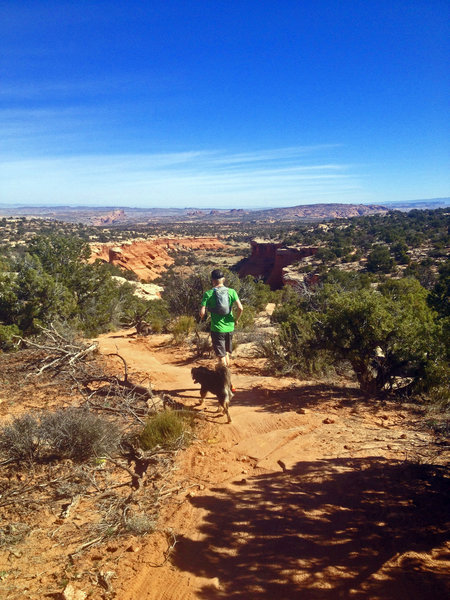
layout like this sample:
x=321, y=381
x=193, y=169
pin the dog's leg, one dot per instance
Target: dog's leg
x=226, y=405
x=221, y=398
x=203, y=393
x=227, y=412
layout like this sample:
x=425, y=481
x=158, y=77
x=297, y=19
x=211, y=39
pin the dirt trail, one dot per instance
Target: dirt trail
x=311, y=492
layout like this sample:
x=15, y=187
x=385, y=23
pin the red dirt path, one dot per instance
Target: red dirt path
x=312, y=492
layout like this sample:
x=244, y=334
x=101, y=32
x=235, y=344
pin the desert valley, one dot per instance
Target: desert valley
x=330, y=481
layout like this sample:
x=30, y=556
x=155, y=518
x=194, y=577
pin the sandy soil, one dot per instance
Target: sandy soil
x=312, y=492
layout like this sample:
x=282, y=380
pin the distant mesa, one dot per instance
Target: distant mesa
x=195, y=213
x=113, y=216
x=319, y=211
x=116, y=216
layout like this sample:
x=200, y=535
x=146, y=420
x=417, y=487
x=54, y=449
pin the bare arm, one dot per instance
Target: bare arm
x=238, y=310
x=202, y=312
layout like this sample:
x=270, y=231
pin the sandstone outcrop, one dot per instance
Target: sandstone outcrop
x=149, y=258
x=268, y=260
x=147, y=291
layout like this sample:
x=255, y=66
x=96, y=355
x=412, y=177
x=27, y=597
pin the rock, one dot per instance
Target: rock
x=104, y=579
x=303, y=411
x=70, y=593
x=97, y=557
x=133, y=548
x=328, y=421
x=148, y=258
x=215, y=583
x=268, y=259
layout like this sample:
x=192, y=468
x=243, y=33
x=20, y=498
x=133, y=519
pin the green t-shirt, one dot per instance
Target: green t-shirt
x=220, y=323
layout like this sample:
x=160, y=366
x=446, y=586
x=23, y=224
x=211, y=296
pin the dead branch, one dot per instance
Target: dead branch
x=125, y=366
x=138, y=389
x=58, y=353
x=135, y=477
x=86, y=545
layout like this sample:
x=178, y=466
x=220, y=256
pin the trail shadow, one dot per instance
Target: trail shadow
x=324, y=530
x=296, y=397
x=185, y=361
x=207, y=410
x=183, y=393
x=124, y=336
x=292, y=398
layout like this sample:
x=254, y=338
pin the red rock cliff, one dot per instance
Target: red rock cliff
x=268, y=259
x=260, y=262
x=148, y=259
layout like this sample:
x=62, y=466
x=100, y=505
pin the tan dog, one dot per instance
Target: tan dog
x=216, y=382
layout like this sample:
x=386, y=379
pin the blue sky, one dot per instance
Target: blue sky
x=210, y=103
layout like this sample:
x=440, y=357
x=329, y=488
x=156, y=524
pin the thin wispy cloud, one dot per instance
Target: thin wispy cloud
x=198, y=178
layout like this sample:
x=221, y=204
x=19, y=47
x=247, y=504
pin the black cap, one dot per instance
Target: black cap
x=217, y=274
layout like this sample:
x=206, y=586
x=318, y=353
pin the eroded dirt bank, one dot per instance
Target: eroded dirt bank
x=312, y=492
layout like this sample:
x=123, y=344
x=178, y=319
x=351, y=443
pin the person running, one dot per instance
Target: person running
x=218, y=302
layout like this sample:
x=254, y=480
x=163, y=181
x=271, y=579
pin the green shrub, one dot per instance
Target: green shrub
x=51, y=280
x=156, y=324
x=434, y=386
x=294, y=349
x=165, y=429
x=380, y=260
x=247, y=319
x=182, y=327
x=7, y=333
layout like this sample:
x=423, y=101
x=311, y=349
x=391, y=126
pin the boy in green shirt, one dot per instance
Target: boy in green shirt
x=222, y=325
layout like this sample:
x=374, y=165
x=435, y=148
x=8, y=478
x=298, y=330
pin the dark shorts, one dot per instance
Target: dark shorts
x=222, y=343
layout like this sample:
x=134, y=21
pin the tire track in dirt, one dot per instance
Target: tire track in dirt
x=306, y=494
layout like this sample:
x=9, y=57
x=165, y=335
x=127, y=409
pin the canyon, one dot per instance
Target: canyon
x=148, y=259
